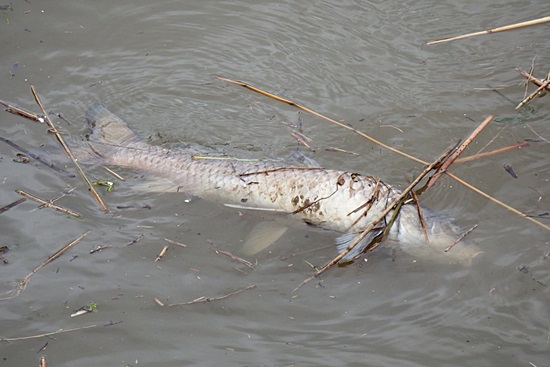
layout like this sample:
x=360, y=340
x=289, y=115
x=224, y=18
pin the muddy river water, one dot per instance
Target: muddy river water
x=365, y=63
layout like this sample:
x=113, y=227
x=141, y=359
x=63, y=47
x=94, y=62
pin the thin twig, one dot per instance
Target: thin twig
x=23, y=282
x=301, y=140
x=60, y=331
x=69, y=153
x=204, y=299
x=461, y=238
x=233, y=257
x=48, y=204
x=11, y=205
x=494, y=30
x=375, y=222
x=453, y=176
x=333, y=149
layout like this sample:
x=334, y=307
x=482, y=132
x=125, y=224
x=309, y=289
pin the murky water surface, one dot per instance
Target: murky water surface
x=365, y=63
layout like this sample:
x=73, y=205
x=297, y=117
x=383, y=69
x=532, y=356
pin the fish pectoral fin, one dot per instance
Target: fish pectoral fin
x=343, y=241
x=244, y=207
x=262, y=236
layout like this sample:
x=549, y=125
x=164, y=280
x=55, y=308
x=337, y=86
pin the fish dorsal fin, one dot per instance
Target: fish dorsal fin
x=107, y=127
x=262, y=236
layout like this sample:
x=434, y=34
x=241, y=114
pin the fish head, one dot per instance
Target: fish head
x=442, y=236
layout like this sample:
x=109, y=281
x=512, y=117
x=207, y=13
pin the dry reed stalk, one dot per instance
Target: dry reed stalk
x=22, y=284
x=494, y=30
x=530, y=97
x=162, y=253
x=204, y=299
x=69, y=153
x=531, y=78
x=303, y=108
x=175, y=243
x=20, y=111
x=519, y=144
x=453, y=176
x=48, y=204
x=457, y=152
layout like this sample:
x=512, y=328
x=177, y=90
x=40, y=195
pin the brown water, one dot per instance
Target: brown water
x=365, y=63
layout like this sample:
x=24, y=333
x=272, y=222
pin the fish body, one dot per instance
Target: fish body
x=342, y=201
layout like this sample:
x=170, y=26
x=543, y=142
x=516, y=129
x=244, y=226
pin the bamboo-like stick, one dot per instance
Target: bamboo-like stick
x=494, y=30
x=20, y=111
x=453, y=176
x=69, y=153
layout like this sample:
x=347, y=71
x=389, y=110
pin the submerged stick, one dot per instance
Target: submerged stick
x=36, y=157
x=494, y=30
x=453, y=176
x=204, y=299
x=375, y=222
x=48, y=204
x=22, y=284
x=69, y=153
x=11, y=205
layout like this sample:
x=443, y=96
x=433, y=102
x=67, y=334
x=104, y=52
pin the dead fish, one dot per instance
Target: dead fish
x=342, y=201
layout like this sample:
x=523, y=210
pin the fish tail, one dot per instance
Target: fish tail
x=106, y=127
